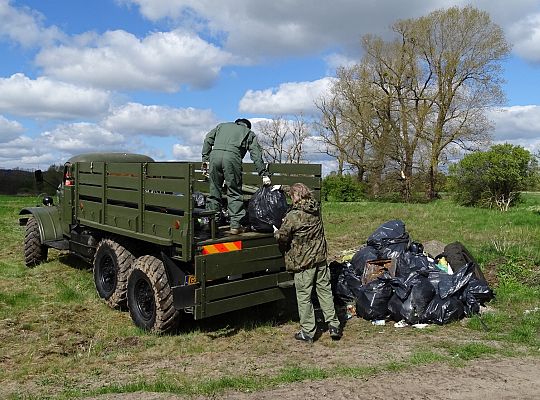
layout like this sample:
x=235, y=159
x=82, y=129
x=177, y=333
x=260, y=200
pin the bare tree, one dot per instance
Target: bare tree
x=283, y=140
x=332, y=130
x=298, y=132
x=272, y=137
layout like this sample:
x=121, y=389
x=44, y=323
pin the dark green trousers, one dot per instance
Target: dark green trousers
x=318, y=277
x=226, y=167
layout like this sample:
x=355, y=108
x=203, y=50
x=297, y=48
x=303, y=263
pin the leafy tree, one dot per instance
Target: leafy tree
x=462, y=49
x=492, y=178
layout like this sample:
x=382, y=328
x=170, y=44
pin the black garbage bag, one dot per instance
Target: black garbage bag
x=372, y=298
x=353, y=282
x=410, y=262
x=475, y=294
x=436, y=276
x=390, y=239
x=411, y=297
x=471, y=306
x=480, y=290
x=266, y=208
x=458, y=257
x=361, y=257
x=341, y=276
x=442, y=311
x=457, y=283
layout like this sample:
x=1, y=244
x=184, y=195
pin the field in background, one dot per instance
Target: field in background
x=57, y=339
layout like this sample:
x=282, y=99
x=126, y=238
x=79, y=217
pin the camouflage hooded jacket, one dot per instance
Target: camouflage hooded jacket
x=301, y=236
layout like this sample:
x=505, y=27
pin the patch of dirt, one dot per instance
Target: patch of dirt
x=495, y=379
x=490, y=271
x=511, y=378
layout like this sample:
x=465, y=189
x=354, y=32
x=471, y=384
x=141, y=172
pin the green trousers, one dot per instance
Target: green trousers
x=318, y=277
x=226, y=166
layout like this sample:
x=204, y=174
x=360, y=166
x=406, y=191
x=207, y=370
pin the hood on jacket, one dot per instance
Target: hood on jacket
x=310, y=206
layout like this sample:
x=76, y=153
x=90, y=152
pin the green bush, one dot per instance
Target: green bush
x=492, y=178
x=342, y=188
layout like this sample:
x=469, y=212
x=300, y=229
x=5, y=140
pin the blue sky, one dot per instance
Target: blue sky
x=153, y=76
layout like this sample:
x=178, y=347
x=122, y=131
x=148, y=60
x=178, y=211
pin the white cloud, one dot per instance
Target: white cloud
x=516, y=122
x=281, y=27
x=335, y=60
x=132, y=118
x=25, y=26
x=9, y=130
x=161, y=61
x=21, y=146
x=518, y=125
x=289, y=98
x=187, y=153
x=81, y=138
x=45, y=98
x=525, y=33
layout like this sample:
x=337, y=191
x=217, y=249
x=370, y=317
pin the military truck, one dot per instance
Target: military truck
x=155, y=250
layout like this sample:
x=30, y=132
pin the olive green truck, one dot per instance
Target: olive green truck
x=153, y=248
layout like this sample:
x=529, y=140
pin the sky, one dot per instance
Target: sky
x=154, y=76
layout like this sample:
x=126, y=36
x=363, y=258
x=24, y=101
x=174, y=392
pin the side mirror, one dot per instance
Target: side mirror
x=38, y=176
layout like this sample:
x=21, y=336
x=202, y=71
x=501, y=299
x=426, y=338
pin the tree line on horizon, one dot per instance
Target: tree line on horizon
x=19, y=181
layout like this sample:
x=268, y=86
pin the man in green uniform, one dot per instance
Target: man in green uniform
x=223, y=150
x=301, y=236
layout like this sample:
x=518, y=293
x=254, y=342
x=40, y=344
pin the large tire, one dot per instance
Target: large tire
x=34, y=252
x=112, y=265
x=150, y=298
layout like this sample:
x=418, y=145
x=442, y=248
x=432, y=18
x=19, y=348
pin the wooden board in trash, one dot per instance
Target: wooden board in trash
x=376, y=268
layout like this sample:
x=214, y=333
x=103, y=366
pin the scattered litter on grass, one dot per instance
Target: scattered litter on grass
x=401, y=324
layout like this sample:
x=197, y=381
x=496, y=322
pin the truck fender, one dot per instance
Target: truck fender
x=48, y=219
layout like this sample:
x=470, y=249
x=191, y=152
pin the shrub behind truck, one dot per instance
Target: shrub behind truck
x=135, y=220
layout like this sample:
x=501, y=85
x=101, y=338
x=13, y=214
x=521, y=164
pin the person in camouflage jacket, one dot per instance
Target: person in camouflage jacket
x=301, y=238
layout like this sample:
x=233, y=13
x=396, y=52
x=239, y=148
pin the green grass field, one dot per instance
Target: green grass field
x=58, y=340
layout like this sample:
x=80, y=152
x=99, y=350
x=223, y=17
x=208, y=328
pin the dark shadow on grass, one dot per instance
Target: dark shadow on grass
x=229, y=324
x=74, y=261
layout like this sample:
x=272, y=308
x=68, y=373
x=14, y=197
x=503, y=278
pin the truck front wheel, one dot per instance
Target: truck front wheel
x=150, y=298
x=112, y=264
x=34, y=252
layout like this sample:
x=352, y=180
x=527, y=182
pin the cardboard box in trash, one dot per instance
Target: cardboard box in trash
x=376, y=268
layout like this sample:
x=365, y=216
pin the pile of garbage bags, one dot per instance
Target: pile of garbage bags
x=410, y=285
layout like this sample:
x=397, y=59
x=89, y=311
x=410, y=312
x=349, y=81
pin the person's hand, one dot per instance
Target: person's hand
x=275, y=187
x=204, y=169
x=275, y=229
x=266, y=180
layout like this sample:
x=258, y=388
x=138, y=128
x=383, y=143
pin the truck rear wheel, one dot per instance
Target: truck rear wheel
x=34, y=252
x=112, y=264
x=150, y=298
